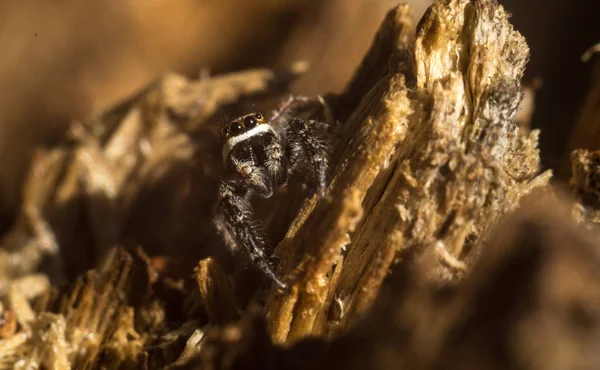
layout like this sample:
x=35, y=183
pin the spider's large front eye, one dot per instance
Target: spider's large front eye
x=236, y=128
x=250, y=122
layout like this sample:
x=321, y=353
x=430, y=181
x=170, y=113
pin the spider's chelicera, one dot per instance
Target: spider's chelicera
x=260, y=154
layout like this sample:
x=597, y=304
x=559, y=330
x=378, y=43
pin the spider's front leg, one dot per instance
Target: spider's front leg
x=234, y=220
x=295, y=104
x=307, y=144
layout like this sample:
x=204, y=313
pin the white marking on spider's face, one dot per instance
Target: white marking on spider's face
x=234, y=140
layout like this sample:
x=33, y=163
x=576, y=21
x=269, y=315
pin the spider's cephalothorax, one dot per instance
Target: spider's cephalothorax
x=261, y=154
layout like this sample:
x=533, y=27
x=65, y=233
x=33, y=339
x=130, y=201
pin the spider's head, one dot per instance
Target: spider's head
x=245, y=130
x=243, y=124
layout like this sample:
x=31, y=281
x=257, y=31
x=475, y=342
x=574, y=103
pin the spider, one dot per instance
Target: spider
x=261, y=154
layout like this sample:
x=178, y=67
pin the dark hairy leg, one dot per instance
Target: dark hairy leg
x=308, y=138
x=298, y=103
x=235, y=222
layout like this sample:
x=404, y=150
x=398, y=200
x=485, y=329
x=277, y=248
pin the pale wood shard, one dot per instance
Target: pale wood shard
x=74, y=336
x=373, y=132
x=377, y=134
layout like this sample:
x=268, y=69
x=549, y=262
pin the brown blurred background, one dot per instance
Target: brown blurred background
x=63, y=60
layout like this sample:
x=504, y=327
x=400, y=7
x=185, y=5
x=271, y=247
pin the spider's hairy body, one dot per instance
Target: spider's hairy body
x=260, y=155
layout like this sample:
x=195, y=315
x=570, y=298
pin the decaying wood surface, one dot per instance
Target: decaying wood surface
x=445, y=152
x=440, y=244
x=525, y=305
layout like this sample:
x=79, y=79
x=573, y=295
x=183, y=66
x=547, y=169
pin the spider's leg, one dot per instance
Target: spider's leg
x=308, y=143
x=235, y=222
x=275, y=162
x=296, y=104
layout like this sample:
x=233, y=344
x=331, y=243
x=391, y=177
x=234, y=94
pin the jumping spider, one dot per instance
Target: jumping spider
x=260, y=154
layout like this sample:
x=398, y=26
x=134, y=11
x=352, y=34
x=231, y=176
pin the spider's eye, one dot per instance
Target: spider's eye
x=236, y=128
x=258, y=116
x=225, y=130
x=250, y=122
